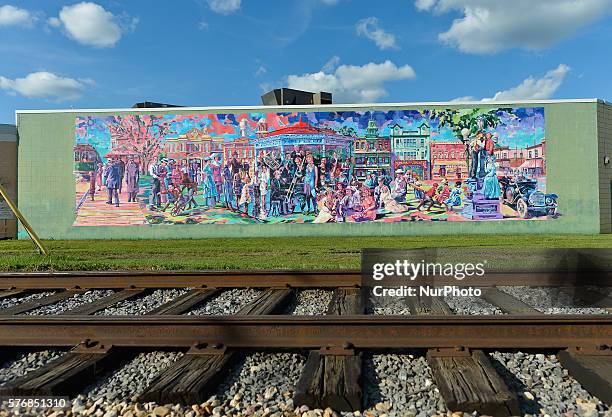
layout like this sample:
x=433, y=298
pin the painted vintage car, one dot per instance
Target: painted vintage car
x=522, y=195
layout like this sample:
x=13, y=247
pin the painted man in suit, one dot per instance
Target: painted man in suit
x=113, y=182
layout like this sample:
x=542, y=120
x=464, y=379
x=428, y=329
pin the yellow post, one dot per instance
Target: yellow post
x=24, y=222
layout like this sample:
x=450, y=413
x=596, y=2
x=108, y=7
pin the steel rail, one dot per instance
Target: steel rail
x=263, y=278
x=484, y=332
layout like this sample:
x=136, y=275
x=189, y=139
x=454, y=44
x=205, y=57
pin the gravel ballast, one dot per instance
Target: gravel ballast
x=15, y=301
x=132, y=378
x=544, y=387
x=310, y=303
x=389, y=307
x=69, y=303
x=226, y=303
x=471, y=305
x=400, y=385
x=27, y=362
x=262, y=381
x=141, y=305
x=550, y=300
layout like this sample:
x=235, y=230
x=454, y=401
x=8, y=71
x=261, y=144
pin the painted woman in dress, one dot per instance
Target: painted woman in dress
x=387, y=200
x=328, y=208
x=310, y=180
x=490, y=188
x=208, y=184
x=264, y=181
x=366, y=211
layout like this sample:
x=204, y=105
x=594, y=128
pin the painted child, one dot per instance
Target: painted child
x=454, y=198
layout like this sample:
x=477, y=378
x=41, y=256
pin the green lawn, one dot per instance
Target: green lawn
x=272, y=253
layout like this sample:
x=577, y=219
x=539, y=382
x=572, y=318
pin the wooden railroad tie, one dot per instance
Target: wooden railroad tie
x=467, y=380
x=13, y=293
x=196, y=375
x=190, y=380
x=470, y=383
x=67, y=375
x=601, y=299
x=184, y=303
x=508, y=303
x=420, y=306
x=41, y=302
x=330, y=381
x=332, y=377
x=103, y=302
x=593, y=372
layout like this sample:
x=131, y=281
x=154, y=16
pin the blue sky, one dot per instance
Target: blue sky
x=62, y=54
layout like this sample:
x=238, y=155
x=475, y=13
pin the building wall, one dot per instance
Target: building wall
x=8, y=177
x=604, y=127
x=47, y=184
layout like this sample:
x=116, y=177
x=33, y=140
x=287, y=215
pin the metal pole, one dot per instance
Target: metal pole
x=41, y=248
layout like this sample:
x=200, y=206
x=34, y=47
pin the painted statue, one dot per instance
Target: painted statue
x=490, y=188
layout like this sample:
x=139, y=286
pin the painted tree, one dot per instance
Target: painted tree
x=462, y=121
x=459, y=119
x=143, y=133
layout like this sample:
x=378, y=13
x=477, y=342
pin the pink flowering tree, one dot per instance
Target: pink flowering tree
x=143, y=133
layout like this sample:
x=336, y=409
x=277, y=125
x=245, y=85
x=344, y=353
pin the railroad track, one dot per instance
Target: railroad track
x=213, y=321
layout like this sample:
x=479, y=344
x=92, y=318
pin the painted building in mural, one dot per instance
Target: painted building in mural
x=411, y=149
x=191, y=147
x=373, y=156
x=448, y=160
x=530, y=160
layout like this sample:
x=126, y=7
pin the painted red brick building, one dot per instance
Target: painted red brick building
x=448, y=160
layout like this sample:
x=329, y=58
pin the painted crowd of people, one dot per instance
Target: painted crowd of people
x=325, y=187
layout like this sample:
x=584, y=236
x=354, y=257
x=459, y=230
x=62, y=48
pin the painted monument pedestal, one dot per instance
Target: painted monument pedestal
x=480, y=208
x=476, y=206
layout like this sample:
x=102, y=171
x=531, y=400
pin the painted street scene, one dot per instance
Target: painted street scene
x=316, y=167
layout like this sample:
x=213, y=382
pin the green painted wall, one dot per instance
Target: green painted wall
x=47, y=194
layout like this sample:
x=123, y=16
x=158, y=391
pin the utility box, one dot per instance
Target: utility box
x=8, y=179
x=291, y=97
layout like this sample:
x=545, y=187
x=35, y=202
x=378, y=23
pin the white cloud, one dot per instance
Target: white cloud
x=530, y=88
x=353, y=83
x=261, y=70
x=331, y=64
x=369, y=28
x=489, y=26
x=424, y=4
x=330, y=2
x=202, y=25
x=90, y=24
x=46, y=85
x=224, y=6
x=534, y=88
x=14, y=16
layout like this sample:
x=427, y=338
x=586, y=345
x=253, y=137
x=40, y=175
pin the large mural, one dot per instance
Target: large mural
x=312, y=167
